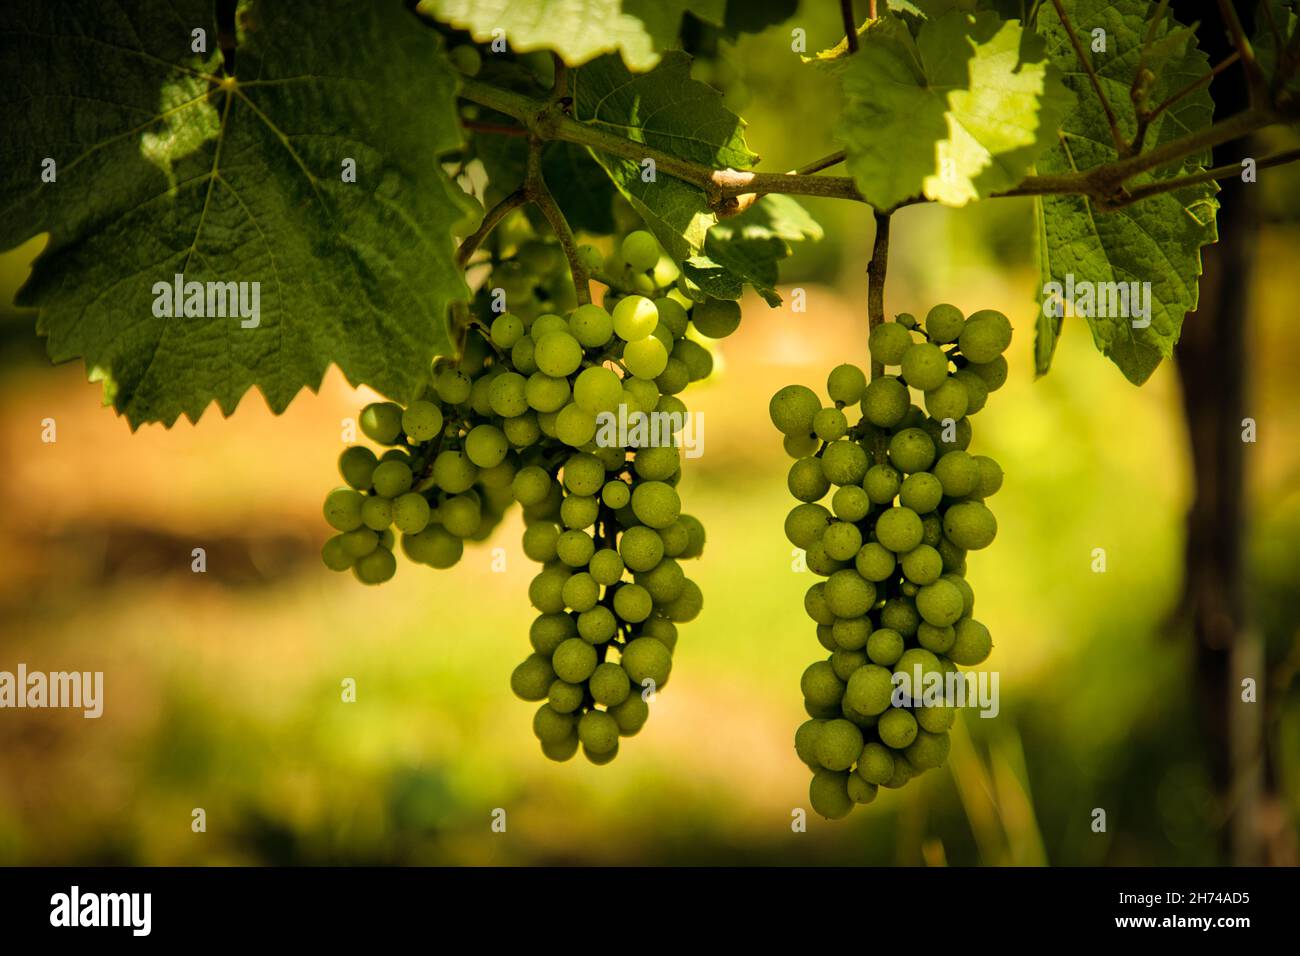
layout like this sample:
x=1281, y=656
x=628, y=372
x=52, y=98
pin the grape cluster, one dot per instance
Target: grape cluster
x=908, y=503
x=522, y=417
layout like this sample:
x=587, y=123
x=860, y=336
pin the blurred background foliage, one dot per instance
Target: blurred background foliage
x=223, y=690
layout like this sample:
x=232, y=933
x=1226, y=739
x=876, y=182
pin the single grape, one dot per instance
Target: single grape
x=647, y=659
x=376, y=567
x=888, y=342
x=635, y=318
x=376, y=513
x=646, y=357
x=846, y=384
x=885, y=402
x=382, y=422
x=640, y=250
x=343, y=509
x=716, y=318
x=838, y=744
x=924, y=366
x=944, y=323
x=357, y=466
x=829, y=794
x=793, y=408
x=970, y=525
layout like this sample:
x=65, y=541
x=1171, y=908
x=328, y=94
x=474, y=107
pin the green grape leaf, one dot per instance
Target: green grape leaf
x=746, y=249
x=584, y=193
x=1275, y=25
x=755, y=16
x=668, y=111
x=954, y=115
x=577, y=30
x=163, y=170
x=1154, y=243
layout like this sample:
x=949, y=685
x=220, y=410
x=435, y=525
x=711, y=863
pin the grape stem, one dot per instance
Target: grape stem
x=469, y=245
x=536, y=192
x=876, y=282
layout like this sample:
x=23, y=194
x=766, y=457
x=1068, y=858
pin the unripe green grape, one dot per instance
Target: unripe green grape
x=845, y=384
x=838, y=744
x=391, y=479
x=343, y=509
x=994, y=374
x=579, y=511
x=819, y=562
x=646, y=357
x=821, y=711
x=805, y=524
x=600, y=759
x=546, y=324
x=844, y=662
x=943, y=323
x=814, y=603
x=807, y=481
x=949, y=400
x=954, y=558
x=928, y=750
x=540, y=541
x=434, y=546
x=850, y=503
x=900, y=614
x=645, y=391
x=376, y=513
x=647, y=659
x=522, y=430
x=970, y=525
x=552, y=726
x=574, y=660
x=805, y=742
x=591, y=325
x=382, y=422
x=911, y=450
x=606, y=567
x=507, y=394
x=565, y=698
x=874, y=562
x=583, y=474
x=630, y=715
x=335, y=554
x=640, y=250
x=506, y=330
x=845, y=462
x=935, y=719
x=888, y=342
x=466, y=59
x=574, y=426
x=672, y=315
x=925, y=366
x=897, y=728
x=357, y=466
x=669, y=404
x=546, y=423
x=829, y=794
x=882, y=483
x=640, y=548
x=936, y=640
x=531, y=680
x=662, y=630
x=687, y=605
x=453, y=386
x=486, y=446
x=635, y=318
x=903, y=772
x=792, y=409
x=860, y=791
x=673, y=379
x=531, y=484
x=545, y=590
x=546, y=394
x=958, y=472
x=697, y=359
x=977, y=393
x=549, y=631
x=597, y=389
x=916, y=659
x=908, y=589
x=967, y=593
x=827, y=640
x=973, y=643
x=885, y=647
x=666, y=581
x=851, y=633
x=580, y=592
x=922, y=565
x=990, y=476
x=848, y=594
x=523, y=356
x=899, y=529
x=609, y=684
x=677, y=539
x=591, y=258
x=376, y=567
x=885, y=402
x=657, y=463
x=597, y=625
x=868, y=690
x=697, y=536
x=985, y=337
x=558, y=354
x=461, y=515
x=820, y=685
x=931, y=529
x=800, y=446
x=632, y=603
x=716, y=318
x=453, y=472
x=422, y=421
x=575, y=548
x=920, y=491
x=598, y=732
x=842, y=540
x=875, y=764
x=830, y=424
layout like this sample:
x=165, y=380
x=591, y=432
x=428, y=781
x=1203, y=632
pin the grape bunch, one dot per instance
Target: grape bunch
x=530, y=414
x=907, y=502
